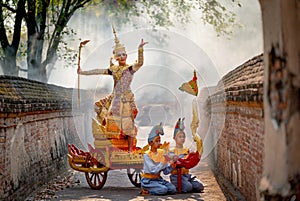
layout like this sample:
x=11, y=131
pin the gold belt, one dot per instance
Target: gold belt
x=183, y=171
x=150, y=176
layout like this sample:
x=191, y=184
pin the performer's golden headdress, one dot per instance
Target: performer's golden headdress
x=118, y=46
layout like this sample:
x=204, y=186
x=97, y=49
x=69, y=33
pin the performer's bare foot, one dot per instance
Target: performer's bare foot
x=144, y=192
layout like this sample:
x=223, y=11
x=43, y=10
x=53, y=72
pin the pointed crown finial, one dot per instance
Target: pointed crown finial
x=118, y=46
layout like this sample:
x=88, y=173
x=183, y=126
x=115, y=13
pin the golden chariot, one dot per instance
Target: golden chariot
x=110, y=151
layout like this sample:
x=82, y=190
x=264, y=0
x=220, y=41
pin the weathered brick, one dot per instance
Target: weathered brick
x=241, y=139
x=32, y=113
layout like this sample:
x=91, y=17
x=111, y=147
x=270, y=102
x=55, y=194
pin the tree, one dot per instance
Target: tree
x=164, y=13
x=9, y=50
x=46, y=22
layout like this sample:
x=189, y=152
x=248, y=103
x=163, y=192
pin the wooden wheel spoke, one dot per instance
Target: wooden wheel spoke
x=92, y=176
x=134, y=176
x=96, y=180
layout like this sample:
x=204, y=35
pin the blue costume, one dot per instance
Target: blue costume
x=188, y=183
x=154, y=163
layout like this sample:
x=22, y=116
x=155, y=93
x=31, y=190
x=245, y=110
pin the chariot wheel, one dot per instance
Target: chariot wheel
x=135, y=176
x=96, y=180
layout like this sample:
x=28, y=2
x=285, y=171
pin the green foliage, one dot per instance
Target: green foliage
x=65, y=52
x=164, y=13
x=47, y=20
x=216, y=15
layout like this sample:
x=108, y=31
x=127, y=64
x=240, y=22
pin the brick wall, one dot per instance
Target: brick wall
x=238, y=154
x=36, y=123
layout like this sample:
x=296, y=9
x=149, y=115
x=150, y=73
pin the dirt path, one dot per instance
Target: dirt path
x=73, y=186
x=118, y=187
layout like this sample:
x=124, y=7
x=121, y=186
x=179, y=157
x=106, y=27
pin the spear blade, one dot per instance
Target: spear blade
x=83, y=43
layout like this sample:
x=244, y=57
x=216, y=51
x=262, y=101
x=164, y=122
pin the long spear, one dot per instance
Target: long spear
x=80, y=46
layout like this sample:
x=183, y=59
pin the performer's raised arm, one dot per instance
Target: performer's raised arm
x=94, y=72
x=140, y=61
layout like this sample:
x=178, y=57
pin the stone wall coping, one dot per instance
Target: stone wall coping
x=20, y=95
x=244, y=83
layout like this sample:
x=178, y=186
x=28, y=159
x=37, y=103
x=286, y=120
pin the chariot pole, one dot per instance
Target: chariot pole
x=79, y=52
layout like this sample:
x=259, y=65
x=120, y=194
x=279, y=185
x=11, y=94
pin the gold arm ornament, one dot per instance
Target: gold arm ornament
x=194, y=125
x=165, y=146
x=79, y=53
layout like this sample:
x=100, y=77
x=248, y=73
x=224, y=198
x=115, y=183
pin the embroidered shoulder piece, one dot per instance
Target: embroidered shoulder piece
x=118, y=70
x=180, y=151
x=158, y=156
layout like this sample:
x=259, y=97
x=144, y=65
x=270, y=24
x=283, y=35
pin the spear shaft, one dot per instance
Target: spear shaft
x=79, y=76
x=79, y=53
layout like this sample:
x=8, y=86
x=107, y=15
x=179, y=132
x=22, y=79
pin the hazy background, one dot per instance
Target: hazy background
x=225, y=54
x=169, y=60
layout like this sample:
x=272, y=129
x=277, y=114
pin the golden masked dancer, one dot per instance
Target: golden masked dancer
x=119, y=106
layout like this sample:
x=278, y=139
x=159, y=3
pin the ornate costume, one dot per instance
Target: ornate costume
x=154, y=164
x=117, y=111
x=122, y=108
x=188, y=183
x=122, y=103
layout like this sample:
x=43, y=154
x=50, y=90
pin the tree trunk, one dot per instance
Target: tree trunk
x=50, y=66
x=36, y=70
x=32, y=63
x=10, y=63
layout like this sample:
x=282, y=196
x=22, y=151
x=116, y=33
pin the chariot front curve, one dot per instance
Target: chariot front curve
x=110, y=151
